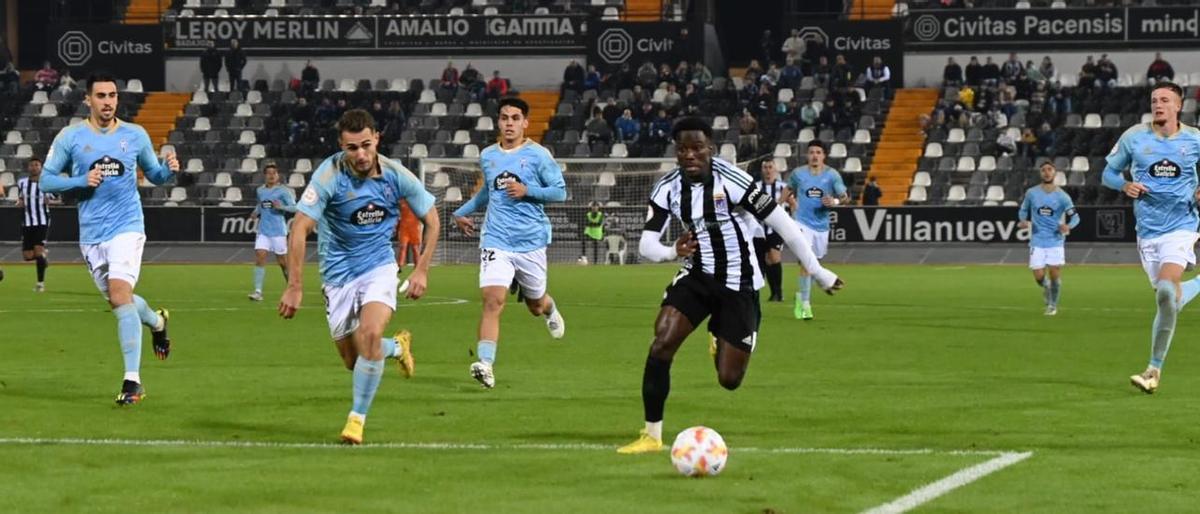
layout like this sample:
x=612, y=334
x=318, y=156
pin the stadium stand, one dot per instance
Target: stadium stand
x=452, y=7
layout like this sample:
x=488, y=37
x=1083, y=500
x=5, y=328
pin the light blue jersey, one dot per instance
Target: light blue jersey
x=1167, y=167
x=516, y=225
x=809, y=190
x=271, y=221
x=113, y=207
x=1046, y=211
x=356, y=217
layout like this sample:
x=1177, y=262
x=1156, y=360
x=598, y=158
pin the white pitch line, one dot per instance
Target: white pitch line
x=927, y=493
x=417, y=303
x=70, y=441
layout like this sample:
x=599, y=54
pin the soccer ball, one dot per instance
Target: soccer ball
x=699, y=451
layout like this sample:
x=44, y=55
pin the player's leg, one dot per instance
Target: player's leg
x=1164, y=259
x=803, y=308
x=496, y=272
x=530, y=271
x=376, y=293
x=774, y=270
x=1054, y=276
x=39, y=256
x=262, y=245
x=281, y=260
x=1037, y=265
x=735, y=324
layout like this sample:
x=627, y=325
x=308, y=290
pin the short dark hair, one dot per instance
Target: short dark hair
x=687, y=123
x=356, y=120
x=1046, y=162
x=513, y=101
x=38, y=159
x=99, y=76
x=818, y=143
x=1166, y=84
x=269, y=165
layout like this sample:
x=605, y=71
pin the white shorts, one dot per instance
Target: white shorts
x=498, y=267
x=815, y=239
x=1039, y=258
x=275, y=245
x=344, y=303
x=1177, y=247
x=119, y=258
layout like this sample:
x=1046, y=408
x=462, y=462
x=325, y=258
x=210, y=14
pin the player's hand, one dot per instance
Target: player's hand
x=1134, y=189
x=417, y=284
x=276, y=204
x=290, y=302
x=1024, y=224
x=172, y=162
x=686, y=245
x=465, y=225
x=516, y=190
x=1064, y=229
x=94, y=176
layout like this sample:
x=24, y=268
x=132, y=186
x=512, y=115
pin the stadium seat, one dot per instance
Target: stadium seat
x=427, y=97
x=783, y=150
x=223, y=179
x=13, y=138
x=438, y=109
x=7, y=179
x=607, y=178
x=1146, y=118
x=24, y=151
x=785, y=95
x=658, y=96
x=178, y=194
x=345, y=86
x=933, y=150
x=440, y=179
x=249, y=166
x=254, y=97
x=243, y=111
x=232, y=195
x=398, y=85
x=956, y=136
x=837, y=151
x=806, y=135
x=484, y=124
x=994, y=194
x=296, y=180
x=618, y=151
x=474, y=110
x=1080, y=163
x=200, y=98
x=966, y=164
x=48, y=111
x=957, y=193
x=780, y=164
x=922, y=178
x=39, y=98
x=1112, y=120
x=916, y=194
x=862, y=137
x=202, y=125
x=987, y=164
x=247, y=137
x=134, y=86
x=302, y=166
x=453, y=194
x=852, y=165
x=418, y=151
x=257, y=151
x=195, y=166
x=611, y=14
x=720, y=123
x=470, y=151
x=728, y=152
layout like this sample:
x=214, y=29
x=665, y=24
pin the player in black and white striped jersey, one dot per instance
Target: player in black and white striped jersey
x=769, y=243
x=720, y=208
x=35, y=219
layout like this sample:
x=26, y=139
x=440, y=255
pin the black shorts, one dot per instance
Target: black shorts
x=734, y=314
x=775, y=241
x=33, y=236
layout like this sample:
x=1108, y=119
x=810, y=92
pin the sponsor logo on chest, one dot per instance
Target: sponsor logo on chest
x=504, y=179
x=814, y=192
x=109, y=167
x=1165, y=169
x=1046, y=210
x=368, y=215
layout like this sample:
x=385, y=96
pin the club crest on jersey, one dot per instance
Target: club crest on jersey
x=719, y=199
x=389, y=194
x=368, y=215
x=109, y=167
x=1165, y=169
x=504, y=179
x=124, y=146
x=1046, y=210
x=814, y=192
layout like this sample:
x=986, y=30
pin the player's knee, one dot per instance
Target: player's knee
x=664, y=347
x=730, y=380
x=493, y=304
x=1164, y=292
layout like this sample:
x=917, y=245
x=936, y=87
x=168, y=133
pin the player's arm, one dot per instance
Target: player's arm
x=1023, y=212
x=288, y=203
x=297, y=246
x=1070, y=213
x=555, y=188
x=257, y=207
x=840, y=195
x=157, y=172
x=421, y=203
x=651, y=248
x=57, y=161
x=763, y=207
x=476, y=203
x=1118, y=159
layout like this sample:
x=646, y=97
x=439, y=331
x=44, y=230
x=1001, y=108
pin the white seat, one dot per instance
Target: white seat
x=1194, y=78
x=244, y=111
x=607, y=178
x=780, y=163
x=933, y=150
x=178, y=194
x=987, y=163
x=302, y=166
x=247, y=137
x=470, y=151
x=48, y=111
x=254, y=97
x=453, y=194
x=966, y=164
x=39, y=98
x=616, y=247
x=806, y=135
x=427, y=97
x=202, y=125
x=461, y=137
x=916, y=194
x=200, y=98
x=232, y=195
x=720, y=123
x=257, y=152
x=484, y=123
x=784, y=95
x=1023, y=4
x=134, y=86
x=346, y=86
x=1080, y=163
x=852, y=165
x=611, y=14
x=7, y=179
x=658, y=96
x=398, y=85
x=24, y=151
x=249, y=166
x=956, y=135
x=474, y=110
x=861, y=136
x=1010, y=203
x=994, y=194
x=619, y=151
x=223, y=179
x=1189, y=105
x=922, y=178
x=195, y=166
x=440, y=179
x=296, y=180
x=1092, y=120
x=1147, y=117
x=1013, y=132
x=457, y=11
x=438, y=109
x=728, y=152
x=1060, y=178
x=783, y=150
x=418, y=150
x=13, y=137
x=837, y=151
x=957, y=194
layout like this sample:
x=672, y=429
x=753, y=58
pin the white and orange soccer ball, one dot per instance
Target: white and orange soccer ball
x=699, y=451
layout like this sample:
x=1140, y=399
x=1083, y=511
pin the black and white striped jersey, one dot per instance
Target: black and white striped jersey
x=721, y=211
x=776, y=190
x=36, y=203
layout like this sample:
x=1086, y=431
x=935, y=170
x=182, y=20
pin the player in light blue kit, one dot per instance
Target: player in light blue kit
x=1044, y=211
x=354, y=202
x=1161, y=156
x=815, y=188
x=519, y=177
x=101, y=156
x=274, y=200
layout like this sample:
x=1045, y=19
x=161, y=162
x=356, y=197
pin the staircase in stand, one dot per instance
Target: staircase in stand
x=159, y=112
x=901, y=143
x=542, y=105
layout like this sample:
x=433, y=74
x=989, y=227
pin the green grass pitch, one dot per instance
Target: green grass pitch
x=940, y=358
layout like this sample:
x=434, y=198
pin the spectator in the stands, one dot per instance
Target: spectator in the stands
x=809, y=114
x=1087, y=73
x=624, y=78
x=691, y=98
x=1034, y=73
x=647, y=75
x=326, y=114
x=67, y=83
x=754, y=67
x=665, y=74
x=1046, y=138
x=639, y=95
x=822, y=72
x=764, y=102
x=235, y=62
x=683, y=73
x=1047, y=68
x=378, y=113
x=1106, y=72
x=871, y=192
x=879, y=75
x=771, y=76
x=748, y=92
x=748, y=131
x=498, y=86
x=793, y=47
x=672, y=100
x=646, y=114
x=952, y=74
x=790, y=75
x=702, y=76
x=1058, y=101
x=1012, y=68
x=1159, y=70
x=300, y=117
x=472, y=81
x=597, y=129
x=990, y=73
x=449, y=77
x=573, y=76
x=628, y=129
x=813, y=51
x=210, y=67
x=10, y=79
x=395, y=119
x=591, y=80
x=310, y=79
x=1028, y=144
x=46, y=78
x=767, y=46
x=974, y=72
x=843, y=73
x=660, y=128
x=612, y=111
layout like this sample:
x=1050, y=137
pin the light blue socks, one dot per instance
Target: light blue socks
x=1054, y=290
x=367, y=375
x=805, y=287
x=486, y=350
x=390, y=348
x=148, y=317
x=129, y=333
x=1164, y=321
x=1191, y=288
x=259, y=273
